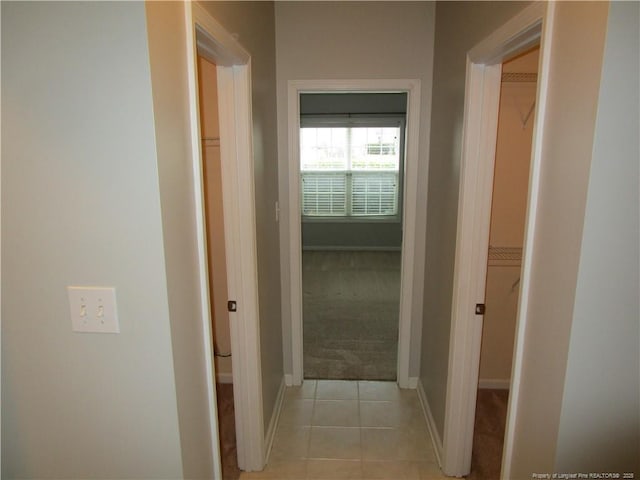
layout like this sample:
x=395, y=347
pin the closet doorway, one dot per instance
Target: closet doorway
x=506, y=238
x=205, y=37
x=214, y=218
x=217, y=263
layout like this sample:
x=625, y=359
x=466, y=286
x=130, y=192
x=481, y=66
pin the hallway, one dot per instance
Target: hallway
x=330, y=429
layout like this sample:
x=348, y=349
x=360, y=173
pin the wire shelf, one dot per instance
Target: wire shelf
x=517, y=77
x=506, y=254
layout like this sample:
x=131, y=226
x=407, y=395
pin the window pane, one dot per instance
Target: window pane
x=374, y=194
x=375, y=149
x=349, y=171
x=323, y=149
x=324, y=194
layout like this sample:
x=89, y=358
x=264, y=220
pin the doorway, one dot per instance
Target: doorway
x=216, y=253
x=506, y=238
x=214, y=218
x=207, y=38
x=482, y=94
x=408, y=214
x=351, y=179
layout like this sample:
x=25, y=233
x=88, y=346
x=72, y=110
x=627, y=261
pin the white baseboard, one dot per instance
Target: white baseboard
x=495, y=383
x=224, y=377
x=431, y=424
x=273, y=423
x=413, y=383
x=288, y=380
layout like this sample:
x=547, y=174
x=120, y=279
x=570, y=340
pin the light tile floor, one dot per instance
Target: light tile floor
x=334, y=429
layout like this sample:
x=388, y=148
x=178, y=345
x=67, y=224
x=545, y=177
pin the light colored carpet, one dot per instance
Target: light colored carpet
x=350, y=309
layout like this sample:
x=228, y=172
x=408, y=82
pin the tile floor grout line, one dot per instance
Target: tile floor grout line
x=361, y=457
x=360, y=430
x=313, y=412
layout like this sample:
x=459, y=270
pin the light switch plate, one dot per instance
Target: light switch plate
x=93, y=309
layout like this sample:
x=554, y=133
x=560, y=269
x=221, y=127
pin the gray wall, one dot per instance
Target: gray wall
x=352, y=103
x=353, y=40
x=351, y=235
x=459, y=26
x=254, y=24
x=600, y=416
x=81, y=206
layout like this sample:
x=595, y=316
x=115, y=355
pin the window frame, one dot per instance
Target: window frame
x=363, y=121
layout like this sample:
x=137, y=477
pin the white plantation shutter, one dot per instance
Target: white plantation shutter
x=351, y=168
x=324, y=194
x=374, y=193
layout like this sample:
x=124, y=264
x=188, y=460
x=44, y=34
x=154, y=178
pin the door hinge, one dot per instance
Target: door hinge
x=232, y=306
x=480, y=308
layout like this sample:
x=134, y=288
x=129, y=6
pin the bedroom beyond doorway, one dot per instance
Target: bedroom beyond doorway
x=350, y=302
x=351, y=183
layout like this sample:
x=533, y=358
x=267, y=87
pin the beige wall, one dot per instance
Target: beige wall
x=167, y=57
x=602, y=381
x=572, y=102
x=210, y=129
x=81, y=206
x=253, y=22
x=513, y=157
x=498, y=330
x=508, y=210
x=208, y=99
x=353, y=40
x=459, y=26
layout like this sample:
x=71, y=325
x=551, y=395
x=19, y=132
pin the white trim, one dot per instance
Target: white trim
x=412, y=383
x=205, y=306
x=546, y=45
x=0, y=269
x=476, y=179
x=240, y=242
x=470, y=271
x=409, y=210
x=214, y=42
x=295, y=235
x=275, y=416
x=377, y=220
x=288, y=380
x=494, y=383
x=234, y=111
x=431, y=423
x=519, y=34
x=226, y=377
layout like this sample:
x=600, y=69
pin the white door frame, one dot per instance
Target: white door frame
x=482, y=96
x=205, y=36
x=412, y=88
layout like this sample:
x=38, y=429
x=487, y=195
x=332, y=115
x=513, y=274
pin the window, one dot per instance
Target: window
x=352, y=170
